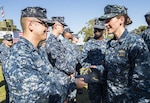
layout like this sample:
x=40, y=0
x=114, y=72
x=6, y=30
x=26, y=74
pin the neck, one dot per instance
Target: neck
x=33, y=40
x=119, y=33
x=55, y=33
x=100, y=38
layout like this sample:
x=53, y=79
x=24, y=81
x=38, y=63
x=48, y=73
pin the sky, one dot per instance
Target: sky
x=76, y=12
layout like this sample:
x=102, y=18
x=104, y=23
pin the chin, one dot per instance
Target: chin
x=110, y=32
x=44, y=39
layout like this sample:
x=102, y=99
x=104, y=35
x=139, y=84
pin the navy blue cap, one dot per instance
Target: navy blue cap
x=113, y=10
x=8, y=37
x=99, y=24
x=76, y=35
x=89, y=75
x=147, y=15
x=68, y=30
x=59, y=19
x=37, y=12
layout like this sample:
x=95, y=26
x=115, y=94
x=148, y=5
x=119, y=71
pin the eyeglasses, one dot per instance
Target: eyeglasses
x=10, y=40
x=42, y=23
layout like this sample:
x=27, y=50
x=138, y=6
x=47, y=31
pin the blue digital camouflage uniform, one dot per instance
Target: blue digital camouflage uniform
x=30, y=76
x=4, y=51
x=93, y=53
x=55, y=48
x=72, y=53
x=146, y=36
x=128, y=70
x=60, y=60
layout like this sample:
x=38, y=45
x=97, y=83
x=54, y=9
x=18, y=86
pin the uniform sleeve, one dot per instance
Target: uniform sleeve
x=84, y=59
x=71, y=54
x=58, y=58
x=3, y=52
x=140, y=63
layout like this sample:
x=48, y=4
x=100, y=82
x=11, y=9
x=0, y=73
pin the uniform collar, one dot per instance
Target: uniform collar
x=114, y=42
x=28, y=43
x=124, y=34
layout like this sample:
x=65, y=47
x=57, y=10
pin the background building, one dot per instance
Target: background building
x=6, y=27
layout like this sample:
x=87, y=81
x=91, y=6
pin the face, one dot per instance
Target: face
x=8, y=43
x=67, y=35
x=113, y=25
x=40, y=29
x=98, y=33
x=59, y=27
x=75, y=40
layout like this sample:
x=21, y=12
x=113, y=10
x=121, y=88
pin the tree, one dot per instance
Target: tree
x=139, y=29
x=87, y=30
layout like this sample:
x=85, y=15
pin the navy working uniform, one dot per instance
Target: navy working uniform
x=127, y=63
x=60, y=61
x=72, y=53
x=58, y=57
x=4, y=50
x=128, y=69
x=56, y=54
x=71, y=50
x=93, y=53
x=27, y=70
x=29, y=67
x=146, y=33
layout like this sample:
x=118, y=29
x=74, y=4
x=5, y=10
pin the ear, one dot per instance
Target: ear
x=122, y=19
x=30, y=26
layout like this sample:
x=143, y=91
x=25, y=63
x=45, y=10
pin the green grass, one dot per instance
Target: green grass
x=2, y=88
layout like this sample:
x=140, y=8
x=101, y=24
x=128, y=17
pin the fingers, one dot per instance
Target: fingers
x=80, y=82
x=82, y=79
x=93, y=66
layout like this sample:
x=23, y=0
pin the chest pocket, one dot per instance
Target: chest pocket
x=122, y=57
x=117, y=56
x=39, y=62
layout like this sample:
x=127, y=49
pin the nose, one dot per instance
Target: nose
x=48, y=30
x=106, y=25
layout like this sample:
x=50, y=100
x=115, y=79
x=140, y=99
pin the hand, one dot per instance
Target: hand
x=80, y=83
x=72, y=75
x=93, y=66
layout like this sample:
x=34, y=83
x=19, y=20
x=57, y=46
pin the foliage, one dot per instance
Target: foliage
x=1, y=41
x=2, y=88
x=139, y=29
x=87, y=30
